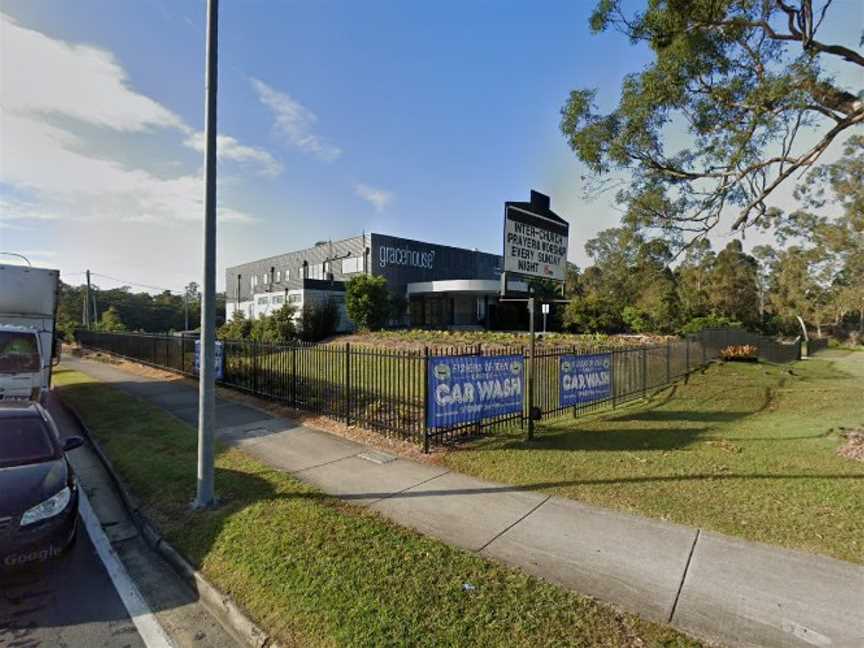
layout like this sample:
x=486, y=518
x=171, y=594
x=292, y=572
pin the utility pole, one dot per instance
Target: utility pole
x=531, y=350
x=205, y=496
x=87, y=303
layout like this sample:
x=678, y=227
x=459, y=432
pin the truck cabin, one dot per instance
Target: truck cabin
x=19, y=352
x=20, y=364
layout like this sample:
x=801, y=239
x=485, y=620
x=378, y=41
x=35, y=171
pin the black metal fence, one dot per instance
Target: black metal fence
x=816, y=344
x=386, y=389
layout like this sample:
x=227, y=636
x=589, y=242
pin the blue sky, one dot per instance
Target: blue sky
x=416, y=119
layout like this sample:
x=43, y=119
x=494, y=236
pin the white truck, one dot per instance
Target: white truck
x=28, y=344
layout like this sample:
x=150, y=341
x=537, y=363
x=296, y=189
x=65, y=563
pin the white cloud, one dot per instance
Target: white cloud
x=295, y=122
x=378, y=198
x=41, y=75
x=21, y=211
x=52, y=164
x=229, y=148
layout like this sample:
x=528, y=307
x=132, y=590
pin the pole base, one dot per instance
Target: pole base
x=198, y=505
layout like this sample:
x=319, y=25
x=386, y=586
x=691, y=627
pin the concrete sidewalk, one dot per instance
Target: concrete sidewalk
x=721, y=588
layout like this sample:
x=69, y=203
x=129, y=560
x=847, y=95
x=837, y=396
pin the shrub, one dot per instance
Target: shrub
x=709, y=321
x=111, y=321
x=740, y=352
x=367, y=300
x=318, y=320
x=239, y=328
x=637, y=320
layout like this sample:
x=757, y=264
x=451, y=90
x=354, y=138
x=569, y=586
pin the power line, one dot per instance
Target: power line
x=137, y=285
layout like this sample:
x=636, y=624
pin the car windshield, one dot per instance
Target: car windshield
x=18, y=352
x=25, y=440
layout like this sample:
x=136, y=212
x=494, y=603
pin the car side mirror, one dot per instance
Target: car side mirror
x=72, y=442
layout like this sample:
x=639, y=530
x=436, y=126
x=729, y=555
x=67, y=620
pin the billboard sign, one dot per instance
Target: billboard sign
x=468, y=389
x=535, y=244
x=585, y=379
x=220, y=359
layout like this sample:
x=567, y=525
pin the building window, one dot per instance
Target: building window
x=295, y=298
x=263, y=301
x=264, y=278
x=317, y=271
x=352, y=265
x=277, y=299
x=278, y=276
x=288, y=275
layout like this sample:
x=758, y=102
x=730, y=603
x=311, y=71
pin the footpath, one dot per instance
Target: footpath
x=717, y=587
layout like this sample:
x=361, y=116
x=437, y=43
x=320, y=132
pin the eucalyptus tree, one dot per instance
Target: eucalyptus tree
x=742, y=87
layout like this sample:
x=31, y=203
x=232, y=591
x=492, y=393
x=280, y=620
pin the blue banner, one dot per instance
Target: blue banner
x=468, y=389
x=585, y=378
x=220, y=359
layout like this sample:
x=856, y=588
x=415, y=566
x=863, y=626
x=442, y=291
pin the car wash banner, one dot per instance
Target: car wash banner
x=585, y=379
x=469, y=389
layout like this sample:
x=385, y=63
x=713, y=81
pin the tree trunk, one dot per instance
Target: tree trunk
x=861, y=319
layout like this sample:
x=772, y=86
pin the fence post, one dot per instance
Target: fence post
x=294, y=375
x=478, y=351
x=644, y=372
x=612, y=355
x=687, y=356
x=668, y=361
x=347, y=383
x=153, y=355
x=425, y=400
x=255, y=368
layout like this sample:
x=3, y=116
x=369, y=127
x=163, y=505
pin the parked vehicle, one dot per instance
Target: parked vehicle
x=28, y=343
x=38, y=487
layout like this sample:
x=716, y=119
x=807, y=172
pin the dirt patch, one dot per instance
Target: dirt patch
x=854, y=446
x=128, y=365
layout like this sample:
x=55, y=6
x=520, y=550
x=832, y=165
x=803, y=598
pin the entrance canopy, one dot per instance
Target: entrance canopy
x=455, y=303
x=462, y=286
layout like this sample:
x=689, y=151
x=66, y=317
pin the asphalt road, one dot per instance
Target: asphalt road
x=71, y=602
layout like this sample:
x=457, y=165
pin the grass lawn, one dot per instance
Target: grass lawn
x=317, y=572
x=743, y=449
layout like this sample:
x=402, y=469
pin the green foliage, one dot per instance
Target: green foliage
x=239, y=328
x=318, y=320
x=278, y=328
x=595, y=312
x=733, y=287
x=139, y=311
x=367, y=300
x=636, y=320
x=709, y=321
x=111, y=321
x=714, y=122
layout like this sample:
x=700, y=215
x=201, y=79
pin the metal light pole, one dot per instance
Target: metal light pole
x=205, y=496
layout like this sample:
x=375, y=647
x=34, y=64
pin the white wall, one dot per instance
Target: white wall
x=253, y=309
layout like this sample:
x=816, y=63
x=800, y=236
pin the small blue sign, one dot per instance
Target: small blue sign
x=220, y=362
x=469, y=389
x=585, y=378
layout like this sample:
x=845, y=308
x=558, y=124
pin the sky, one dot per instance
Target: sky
x=406, y=118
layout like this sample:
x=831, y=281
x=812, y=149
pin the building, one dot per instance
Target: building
x=442, y=286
